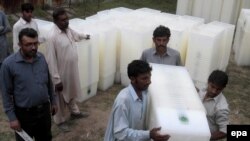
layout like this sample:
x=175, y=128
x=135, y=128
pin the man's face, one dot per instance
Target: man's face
x=27, y=15
x=142, y=81
x=161, y=42
x=29, y=46
x=62, y=22
x=213, y=90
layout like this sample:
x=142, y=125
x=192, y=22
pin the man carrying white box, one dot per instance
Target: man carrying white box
x=216, y=104
x=128, y=118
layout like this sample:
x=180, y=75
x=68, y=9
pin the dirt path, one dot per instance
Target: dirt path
x=93, y=127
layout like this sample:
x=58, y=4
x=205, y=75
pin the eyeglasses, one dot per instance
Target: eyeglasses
x=30, y=45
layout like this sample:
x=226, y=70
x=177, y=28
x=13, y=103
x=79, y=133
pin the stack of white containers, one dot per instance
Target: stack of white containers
x=88, y=61
x=113, y=17
x=175, y=105
x=241, y=42
x=180, y=30
x=203, y=53
x=135, y=37
x=120, y=35
x=225, y=47
x=221, y=10
x=209, y=48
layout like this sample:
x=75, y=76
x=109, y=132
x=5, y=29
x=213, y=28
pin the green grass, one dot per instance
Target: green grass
x=7, y=136
x=38, y=12
x=87, y=8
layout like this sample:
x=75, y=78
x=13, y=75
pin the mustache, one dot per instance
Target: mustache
x=161, y=46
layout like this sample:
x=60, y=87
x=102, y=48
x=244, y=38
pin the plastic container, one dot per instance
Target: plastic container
x=203, y=53
x=228, y=11
x=106, y=43
x=175, y=105
x=239, y=28
x=228, y=33
x=114, y=17
x=242, y=54
x=180, y=30
x=184, y=7
x=133, y=41
x=88, y=61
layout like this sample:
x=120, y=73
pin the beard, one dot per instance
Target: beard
x=161, y=47
x=31, y=54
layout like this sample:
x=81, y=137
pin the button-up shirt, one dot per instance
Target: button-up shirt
x=18, y=26
x=25, y=84
x=217, y=111
x=171, y=57
x=127, y=120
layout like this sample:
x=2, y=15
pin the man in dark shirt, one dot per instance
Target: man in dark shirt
x=27, y=91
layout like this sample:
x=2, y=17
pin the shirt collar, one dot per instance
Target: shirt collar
x=58, y=30
x=19, y=57
x=25, y=22
x=217, y=97
x=214, y=99
x=165, y=54
x=133, y=93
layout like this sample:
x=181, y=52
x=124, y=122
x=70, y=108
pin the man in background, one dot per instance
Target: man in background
x=62, y=58
x=216, y=105
x=27, y=90
x=161, y=54
x=25, y=21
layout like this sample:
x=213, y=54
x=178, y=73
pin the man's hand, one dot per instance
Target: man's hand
x=59, y=87
x=156, y=136
x=87, y=37
x=54, y=109
x=15, y=125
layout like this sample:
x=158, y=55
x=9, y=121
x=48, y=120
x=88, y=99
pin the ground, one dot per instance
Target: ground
x=91, y=128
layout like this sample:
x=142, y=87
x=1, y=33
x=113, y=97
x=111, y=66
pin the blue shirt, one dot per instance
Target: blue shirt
x=128, y=118
x=24, y=84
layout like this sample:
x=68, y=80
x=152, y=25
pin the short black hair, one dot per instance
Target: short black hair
x=218, y=78
x=30, y=32
x=137, y=67
x=57, y=12
x=161, y=31
x=27, y=7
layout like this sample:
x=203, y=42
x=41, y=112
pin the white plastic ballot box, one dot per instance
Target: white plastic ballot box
x=175, y=106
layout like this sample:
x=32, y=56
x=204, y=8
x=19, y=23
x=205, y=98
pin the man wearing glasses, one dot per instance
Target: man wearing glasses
x=27, y=90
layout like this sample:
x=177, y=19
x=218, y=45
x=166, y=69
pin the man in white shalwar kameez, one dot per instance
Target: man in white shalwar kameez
x=26, y=21
x=62, y=59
